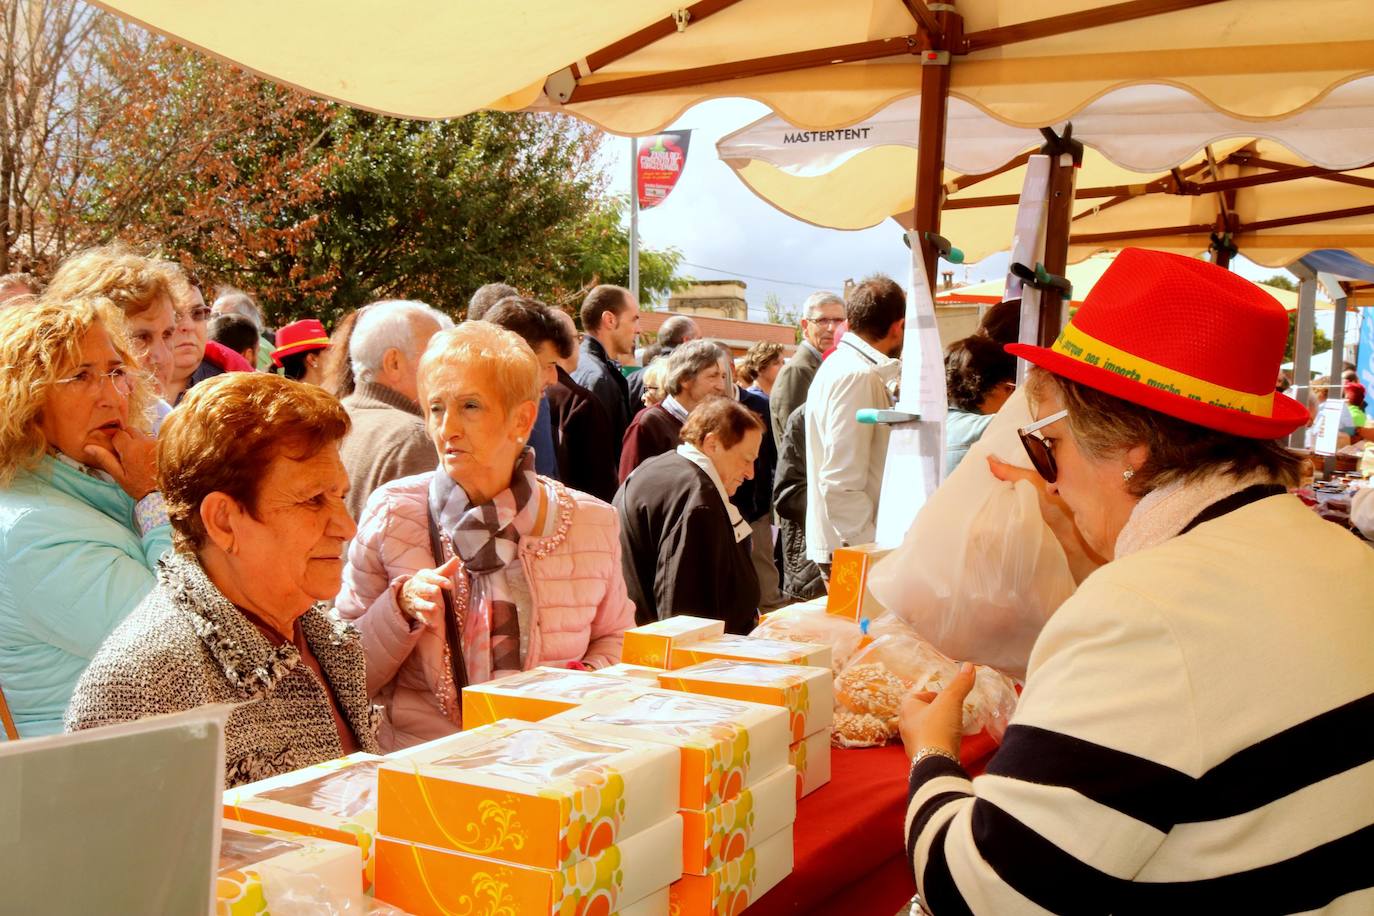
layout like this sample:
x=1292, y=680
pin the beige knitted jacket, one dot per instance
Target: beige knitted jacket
x=186, y=645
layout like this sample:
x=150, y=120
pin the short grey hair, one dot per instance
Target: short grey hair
x=685, y=362
x=237, y=302
x=674, y=331
x=818, y=299
x=387, y=324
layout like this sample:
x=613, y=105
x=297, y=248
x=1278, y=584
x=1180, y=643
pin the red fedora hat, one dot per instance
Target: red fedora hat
x=300, y=337
x=1183, y=337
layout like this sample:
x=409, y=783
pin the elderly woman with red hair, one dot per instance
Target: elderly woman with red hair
x=254, y=487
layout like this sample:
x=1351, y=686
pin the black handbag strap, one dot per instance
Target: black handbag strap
x=453, y=626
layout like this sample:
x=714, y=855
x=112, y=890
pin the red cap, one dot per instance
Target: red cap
x=300, y=337
x=1183, y=337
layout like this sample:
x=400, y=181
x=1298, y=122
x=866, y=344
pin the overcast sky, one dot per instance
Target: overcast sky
x=724, y=230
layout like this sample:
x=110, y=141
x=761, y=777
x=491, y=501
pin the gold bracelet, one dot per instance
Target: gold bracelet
x=925, y=752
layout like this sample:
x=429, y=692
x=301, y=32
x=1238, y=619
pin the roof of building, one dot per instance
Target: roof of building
x=728, y=330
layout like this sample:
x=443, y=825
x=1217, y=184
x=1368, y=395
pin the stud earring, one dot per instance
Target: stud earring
x=1128, y=474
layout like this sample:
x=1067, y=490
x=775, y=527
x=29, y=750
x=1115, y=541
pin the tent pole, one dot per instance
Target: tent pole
x=1302, y=342
x=634, y=218
x=1066, y=155
x=1337, y=293
x=930, y=143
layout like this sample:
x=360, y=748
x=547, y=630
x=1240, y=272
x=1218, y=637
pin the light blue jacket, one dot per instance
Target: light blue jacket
x=962, y=429
x=72, y=566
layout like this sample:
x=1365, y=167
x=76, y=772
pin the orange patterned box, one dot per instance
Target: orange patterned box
x=811, y=759
x=528, y=793
x=751, y=649
x=335, y=800
x=258, y=868
x=725, y=745
x=652, y=644
x=537, y=694
x=735, y=885
x=624, y=669
x=808, y=694
x=849, y=596
x=427, y=881
x=722, y=834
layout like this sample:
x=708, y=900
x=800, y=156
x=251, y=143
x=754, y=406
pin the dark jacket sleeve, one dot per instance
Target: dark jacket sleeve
x=789, y=485
x=788, y=391
x=587, y=454
x=635, y=382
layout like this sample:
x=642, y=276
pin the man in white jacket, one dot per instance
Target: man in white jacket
x=844, y=459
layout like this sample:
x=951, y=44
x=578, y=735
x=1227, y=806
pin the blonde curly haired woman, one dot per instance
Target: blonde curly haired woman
x=81, y=521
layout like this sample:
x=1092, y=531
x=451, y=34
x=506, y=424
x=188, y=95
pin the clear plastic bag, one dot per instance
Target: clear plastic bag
x=899, y=656
x=813, y=625
x=980, y=571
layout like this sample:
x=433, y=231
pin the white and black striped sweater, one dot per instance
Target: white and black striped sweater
x=1196, y=735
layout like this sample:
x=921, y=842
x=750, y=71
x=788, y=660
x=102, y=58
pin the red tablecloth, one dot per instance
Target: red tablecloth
x=849, y=854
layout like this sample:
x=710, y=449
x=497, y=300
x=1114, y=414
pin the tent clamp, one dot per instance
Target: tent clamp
x=1062, y=144
x=560, y=85
x=872, y=416
x=934, y=58
x=1222, y=243
x=681, y=18
x=941, y=7
x=943, y=247
x=1043, y=280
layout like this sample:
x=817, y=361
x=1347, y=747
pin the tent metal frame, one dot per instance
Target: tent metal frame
x=938, y=37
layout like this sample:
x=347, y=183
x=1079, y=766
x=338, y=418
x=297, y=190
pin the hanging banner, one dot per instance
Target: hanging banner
x=661, y=161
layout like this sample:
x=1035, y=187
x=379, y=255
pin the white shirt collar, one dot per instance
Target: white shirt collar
x=703, y=461
x=674, y=407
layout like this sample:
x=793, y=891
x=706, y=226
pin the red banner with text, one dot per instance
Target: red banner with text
x=661, y=161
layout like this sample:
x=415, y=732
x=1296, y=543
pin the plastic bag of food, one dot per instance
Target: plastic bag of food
x=898, y=662
x=814, y=625
x=980, y=571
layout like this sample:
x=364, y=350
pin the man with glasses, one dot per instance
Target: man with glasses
x=823, y=315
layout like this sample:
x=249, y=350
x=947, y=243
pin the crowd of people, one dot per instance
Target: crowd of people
x=194, y=507
x=407, y=506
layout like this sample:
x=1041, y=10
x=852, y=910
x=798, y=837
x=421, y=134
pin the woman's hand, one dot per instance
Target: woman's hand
x=422, y=596
x=1056, y=513
x=131, y=460
x=936, y=720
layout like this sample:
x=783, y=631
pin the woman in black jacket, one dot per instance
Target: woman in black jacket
x=685, y=548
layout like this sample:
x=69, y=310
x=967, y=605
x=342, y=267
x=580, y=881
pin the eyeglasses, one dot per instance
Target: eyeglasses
x=828, y=322
x=89, y=381
x=201, y=314
x=1042, y=458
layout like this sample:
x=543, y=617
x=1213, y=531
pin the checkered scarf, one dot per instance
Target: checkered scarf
x=486, y=538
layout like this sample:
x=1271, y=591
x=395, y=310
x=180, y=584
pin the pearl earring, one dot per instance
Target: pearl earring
x=1128, y=474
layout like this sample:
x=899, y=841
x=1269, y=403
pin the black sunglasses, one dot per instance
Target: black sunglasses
x=1042, y=459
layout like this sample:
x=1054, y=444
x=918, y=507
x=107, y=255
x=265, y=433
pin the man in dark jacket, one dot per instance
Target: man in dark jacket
x=610, y=318
x=676, y=331
x=823, y=313
x=801, y=578
x=587, y=453
x=754, y=499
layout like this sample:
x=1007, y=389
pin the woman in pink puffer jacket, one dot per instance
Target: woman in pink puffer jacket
x=531, y=569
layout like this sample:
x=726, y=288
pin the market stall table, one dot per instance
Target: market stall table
x=849, y=849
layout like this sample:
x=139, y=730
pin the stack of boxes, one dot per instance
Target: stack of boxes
x=335, y=800
x=529, y=818
x=652, y=645
x=806, y=692
x=737, y=794
x=261, y=870
x=539, y=693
